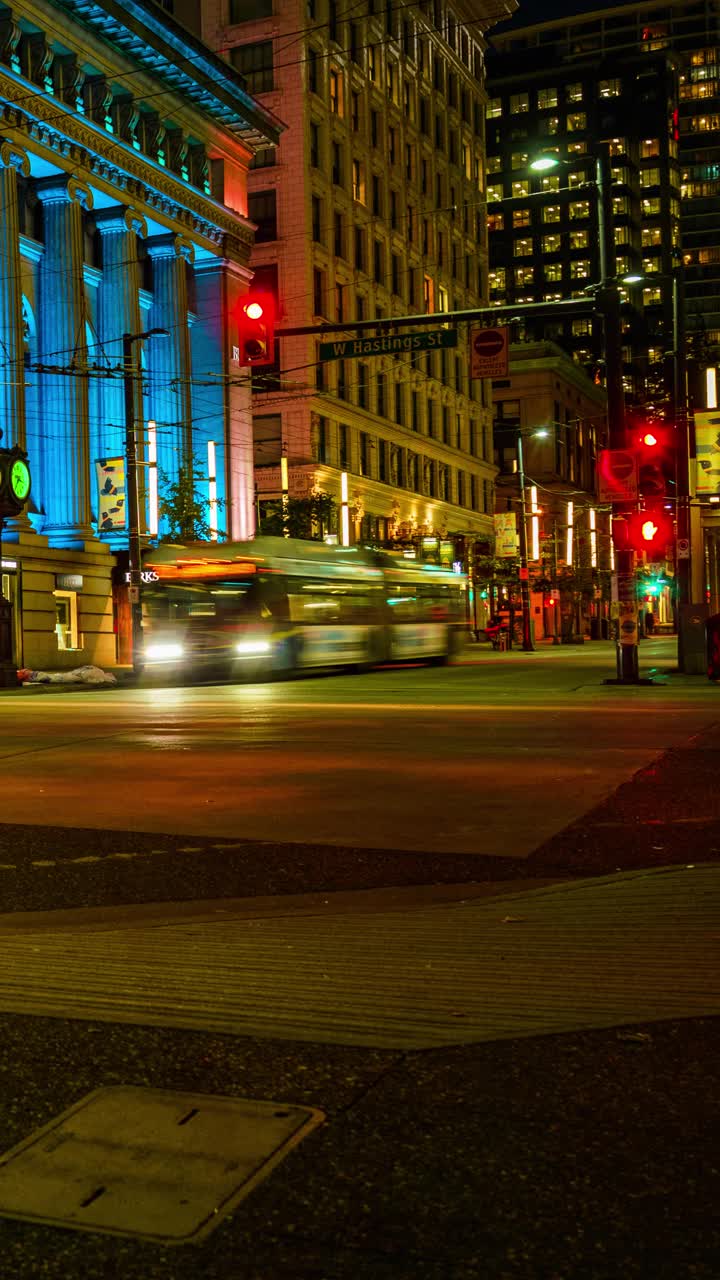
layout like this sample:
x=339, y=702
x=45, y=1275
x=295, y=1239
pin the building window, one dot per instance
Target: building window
x=551, y=213
x=338, y=235
x=580, y=269
x=322, y=452
x=579, y=209
x=255, y=64
x=523, y=248
x=319, y=301
x=314, y=144
x=360, y=248
x=264, y=158
x=262, y=209
x=609, y=88
x=316, y=217
x=576, y=122
x=552, y=270
x=547, y=98
x=336, y=164
x=358, y=182
x=579, y=239
x=66, y=620
x=519, y=103
x=313, y=70
x=521, y=218
x=245, y=10
x=494, y=108
x=335, y=91
x=551, y=244
x=574, y=92
x=343, y=450
x=363, y=381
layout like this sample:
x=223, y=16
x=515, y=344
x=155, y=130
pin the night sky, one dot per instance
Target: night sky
x=532, y=11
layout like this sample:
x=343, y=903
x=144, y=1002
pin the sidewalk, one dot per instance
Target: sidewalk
x=502, y=1094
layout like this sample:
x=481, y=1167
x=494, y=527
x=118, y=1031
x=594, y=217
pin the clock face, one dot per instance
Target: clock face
x=20, y=480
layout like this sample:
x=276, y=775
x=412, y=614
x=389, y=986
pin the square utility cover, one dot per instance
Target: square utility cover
x=143, y=1162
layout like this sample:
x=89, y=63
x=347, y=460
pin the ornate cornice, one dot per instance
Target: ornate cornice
x=13, y=157
x=120, y=219
x=90, y=153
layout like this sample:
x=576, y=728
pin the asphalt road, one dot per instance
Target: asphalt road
x=489, y=757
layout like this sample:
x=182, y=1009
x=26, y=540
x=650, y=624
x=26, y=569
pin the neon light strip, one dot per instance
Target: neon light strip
x=212, y=491
x=593, y=539
x=153, y=497
x=344, y=511
x=534, y=525
x=569, y=543
x=711, y=387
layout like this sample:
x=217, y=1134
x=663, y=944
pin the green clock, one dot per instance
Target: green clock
x=19, y=480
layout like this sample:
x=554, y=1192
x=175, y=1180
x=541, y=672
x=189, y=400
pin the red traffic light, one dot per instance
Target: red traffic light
x=650, y=531
x=256, y=329
x=655, y=447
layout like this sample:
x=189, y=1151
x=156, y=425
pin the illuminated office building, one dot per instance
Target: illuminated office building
x=373, y=205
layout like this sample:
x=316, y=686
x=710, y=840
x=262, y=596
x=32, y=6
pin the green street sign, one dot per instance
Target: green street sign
x=388, y=344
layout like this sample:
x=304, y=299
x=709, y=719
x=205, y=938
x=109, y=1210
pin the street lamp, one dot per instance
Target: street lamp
x=131, y=482
x=607, y=294
x=527, y=642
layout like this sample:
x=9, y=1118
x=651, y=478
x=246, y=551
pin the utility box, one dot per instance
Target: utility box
x=692, y=641
x=712, y=636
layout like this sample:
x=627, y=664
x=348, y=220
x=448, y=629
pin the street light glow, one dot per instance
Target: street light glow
x=541, y=164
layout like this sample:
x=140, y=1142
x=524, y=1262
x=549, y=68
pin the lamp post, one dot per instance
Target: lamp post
x=608, y=302
x=527, y=640
x=131, y=482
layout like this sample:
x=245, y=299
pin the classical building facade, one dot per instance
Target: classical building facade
x=124, y=149
x=372, y=206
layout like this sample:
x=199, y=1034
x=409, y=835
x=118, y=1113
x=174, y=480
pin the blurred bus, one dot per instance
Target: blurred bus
x=277, y=605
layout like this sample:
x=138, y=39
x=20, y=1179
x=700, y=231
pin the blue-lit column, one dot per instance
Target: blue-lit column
x=12, y=386
x=62, y=344
x=118, y=313
x=223, y=412
x=168, y=358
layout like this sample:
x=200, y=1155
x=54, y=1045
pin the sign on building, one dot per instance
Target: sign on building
x=489, y=353
x=707, y=451
x=506, y=536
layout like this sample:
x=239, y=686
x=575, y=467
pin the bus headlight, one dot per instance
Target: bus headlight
x=252, y=648
x=163, y=652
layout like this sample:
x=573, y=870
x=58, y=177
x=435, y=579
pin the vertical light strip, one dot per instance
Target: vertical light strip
x=593, y=539
x=212, y=491
x=534, y=525
x=285, y=487
x=711, y=387
x=569, y=542
x=344, y=511
x=153, y=494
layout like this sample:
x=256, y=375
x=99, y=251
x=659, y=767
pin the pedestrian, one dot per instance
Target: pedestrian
x=649, y=622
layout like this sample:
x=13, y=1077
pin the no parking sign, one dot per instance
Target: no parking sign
x=489, y=353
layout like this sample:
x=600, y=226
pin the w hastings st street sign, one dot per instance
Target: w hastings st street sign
x=388, y=344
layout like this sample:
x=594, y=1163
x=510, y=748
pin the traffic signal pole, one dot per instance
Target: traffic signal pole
x=609, y=301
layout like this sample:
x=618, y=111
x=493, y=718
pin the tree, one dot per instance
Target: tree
x=310, y=518
x=184, y=506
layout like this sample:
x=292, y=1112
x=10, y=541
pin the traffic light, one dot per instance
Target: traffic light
x=655, y=448
x=650, y=531
x=256, y=328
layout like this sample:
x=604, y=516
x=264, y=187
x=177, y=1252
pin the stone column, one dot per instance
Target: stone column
x=118, y=313
x=62, y=342
x=168, y=359
x=224, y=409
x=12, y=387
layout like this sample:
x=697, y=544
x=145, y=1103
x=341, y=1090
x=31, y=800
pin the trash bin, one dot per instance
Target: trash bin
x=692, y=641
x=712, y=636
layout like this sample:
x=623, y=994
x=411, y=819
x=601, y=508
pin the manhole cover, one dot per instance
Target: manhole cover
x=143, y=1162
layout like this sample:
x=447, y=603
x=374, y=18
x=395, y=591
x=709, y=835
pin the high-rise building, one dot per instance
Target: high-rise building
x=371, y=206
